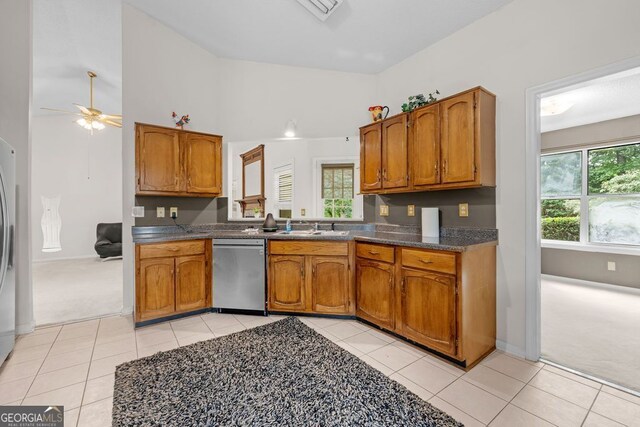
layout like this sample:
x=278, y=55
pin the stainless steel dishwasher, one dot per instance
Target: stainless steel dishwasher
x=239, y=275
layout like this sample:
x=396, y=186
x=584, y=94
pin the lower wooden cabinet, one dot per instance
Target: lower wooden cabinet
x=330, y=285
x=428, y=309
x=287, y=290
x=172, y=278
x=310, y=277
x=442, y=300
x=375, y=292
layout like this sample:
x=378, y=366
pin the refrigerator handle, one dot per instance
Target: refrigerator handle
x=11, y=244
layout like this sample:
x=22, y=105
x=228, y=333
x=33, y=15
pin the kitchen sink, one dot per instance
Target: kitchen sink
x=314, y=233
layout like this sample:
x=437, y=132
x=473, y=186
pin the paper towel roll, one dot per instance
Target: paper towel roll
x=430, y=222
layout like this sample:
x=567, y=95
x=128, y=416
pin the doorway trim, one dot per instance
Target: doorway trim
x=532, y=193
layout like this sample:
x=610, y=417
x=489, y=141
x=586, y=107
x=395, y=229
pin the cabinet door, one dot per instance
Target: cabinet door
x=458, y=139
x=425, y=146
x=395, y=171
x=374, y=289
x=428, y=313
x=287, y=283
x=158, y=160
x=156, y=292
x=330, y=284
x=191, y=283
x=204, y=163
x=371, y=157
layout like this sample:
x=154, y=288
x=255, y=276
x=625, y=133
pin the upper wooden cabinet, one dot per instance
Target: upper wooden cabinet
x=174, y=162
x=446, y=145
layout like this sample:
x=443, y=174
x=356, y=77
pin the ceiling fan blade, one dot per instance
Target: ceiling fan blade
x=61, y=111
x=84, y=109
x=112, y=116
x=110, y=122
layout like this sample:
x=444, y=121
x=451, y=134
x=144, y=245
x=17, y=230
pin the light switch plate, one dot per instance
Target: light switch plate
x=411, y=210
x=384, y=210
x=160, y=212
x=303, y=212
x=463, y=209
x=611, y=266
x=137, y=212
x=173, y=211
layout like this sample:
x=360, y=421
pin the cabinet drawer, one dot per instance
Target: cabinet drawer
x=429, y=260
x=170, y=249
x=375, y=252
x=291, y=247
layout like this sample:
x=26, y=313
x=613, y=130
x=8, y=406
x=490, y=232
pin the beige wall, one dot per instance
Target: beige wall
x=592, y=266
x=625, y=129
x=524, y=44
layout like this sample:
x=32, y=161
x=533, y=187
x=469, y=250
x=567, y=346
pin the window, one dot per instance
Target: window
x=592, y=195
x=337, y=190
x=283, y=183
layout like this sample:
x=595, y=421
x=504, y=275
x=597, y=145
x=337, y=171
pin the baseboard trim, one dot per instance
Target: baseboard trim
x=71, y=258
x=600, y=285
x=126, y=311
x=26, y=328
x=511, y=349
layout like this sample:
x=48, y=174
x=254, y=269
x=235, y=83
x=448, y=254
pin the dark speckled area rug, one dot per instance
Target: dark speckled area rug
x=280, y=374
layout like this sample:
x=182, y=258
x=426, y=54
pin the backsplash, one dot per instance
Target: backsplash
x=482, y=207
x=191, y=210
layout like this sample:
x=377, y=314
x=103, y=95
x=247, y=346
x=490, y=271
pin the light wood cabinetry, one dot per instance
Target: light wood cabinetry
x=442, y=300
x=174, y=162
x=446, y=145
x=172, y=278
x=375, y=292
x=311, y=277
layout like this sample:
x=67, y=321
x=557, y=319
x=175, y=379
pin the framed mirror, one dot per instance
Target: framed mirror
x=253, y=200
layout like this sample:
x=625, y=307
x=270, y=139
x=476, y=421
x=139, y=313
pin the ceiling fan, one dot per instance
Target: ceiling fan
x=92, y=118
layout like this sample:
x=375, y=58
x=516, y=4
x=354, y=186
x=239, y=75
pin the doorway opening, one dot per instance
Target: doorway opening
x=583, y=248
x=76, y=158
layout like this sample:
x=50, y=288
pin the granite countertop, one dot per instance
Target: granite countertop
x=451, y=239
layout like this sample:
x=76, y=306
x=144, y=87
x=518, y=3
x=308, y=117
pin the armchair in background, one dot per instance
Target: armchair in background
x=109, y=243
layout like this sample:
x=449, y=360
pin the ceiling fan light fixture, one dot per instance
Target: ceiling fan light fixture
x=97, y=125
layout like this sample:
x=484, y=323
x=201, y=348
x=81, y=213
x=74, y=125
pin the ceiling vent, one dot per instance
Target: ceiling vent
x=321, y=9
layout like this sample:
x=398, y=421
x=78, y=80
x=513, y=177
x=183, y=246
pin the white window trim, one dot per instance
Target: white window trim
x=357, y=211
x=584, y=244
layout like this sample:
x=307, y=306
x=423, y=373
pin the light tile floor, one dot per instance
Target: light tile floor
x=74, y=365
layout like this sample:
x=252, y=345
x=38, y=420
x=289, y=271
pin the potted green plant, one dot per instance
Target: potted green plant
x=257, y=212
x=417, y=101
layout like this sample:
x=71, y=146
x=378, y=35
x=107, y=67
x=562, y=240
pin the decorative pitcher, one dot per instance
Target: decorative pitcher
x=376, y=112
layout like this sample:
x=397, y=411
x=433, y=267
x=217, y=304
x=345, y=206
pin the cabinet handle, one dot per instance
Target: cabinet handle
x=374, y=252
x=378, y=174
x=302, y=271
x=436, y=166
x=424, y=261
x=444, y=165
x=384, y=174
x=313, y=271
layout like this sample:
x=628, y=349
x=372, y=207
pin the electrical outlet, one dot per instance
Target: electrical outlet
x=411, y=210
x=463, y=209
x=173, y=213
x=611, y=266
x=160, y=212
x=137, y=211
x=303, y=212
x=384, y=210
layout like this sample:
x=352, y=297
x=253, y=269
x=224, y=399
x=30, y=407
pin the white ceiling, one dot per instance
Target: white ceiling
x=69, y=38
x=365, y=36
x=73, y=36
x=607, y=98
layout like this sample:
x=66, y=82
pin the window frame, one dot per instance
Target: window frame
x=585, y=244
x=336, y=166
x=277, y=172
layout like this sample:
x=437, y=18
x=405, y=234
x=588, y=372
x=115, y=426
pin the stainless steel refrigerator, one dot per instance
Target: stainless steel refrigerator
x=7, y=272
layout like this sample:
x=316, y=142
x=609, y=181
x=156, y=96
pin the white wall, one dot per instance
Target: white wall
x=15, y=104
x=163, y=71
x=85, y=171
x=524, y=44
x=306, y=156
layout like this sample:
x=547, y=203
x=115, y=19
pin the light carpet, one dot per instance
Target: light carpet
x=592, y=329
x=280, y=374
x=70, y=290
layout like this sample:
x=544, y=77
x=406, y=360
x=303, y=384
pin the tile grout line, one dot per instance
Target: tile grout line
x=86, y=381
x=38, y=371
x=589, y=411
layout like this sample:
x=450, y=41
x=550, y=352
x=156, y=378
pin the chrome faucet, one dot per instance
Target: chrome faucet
x=316, y=227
